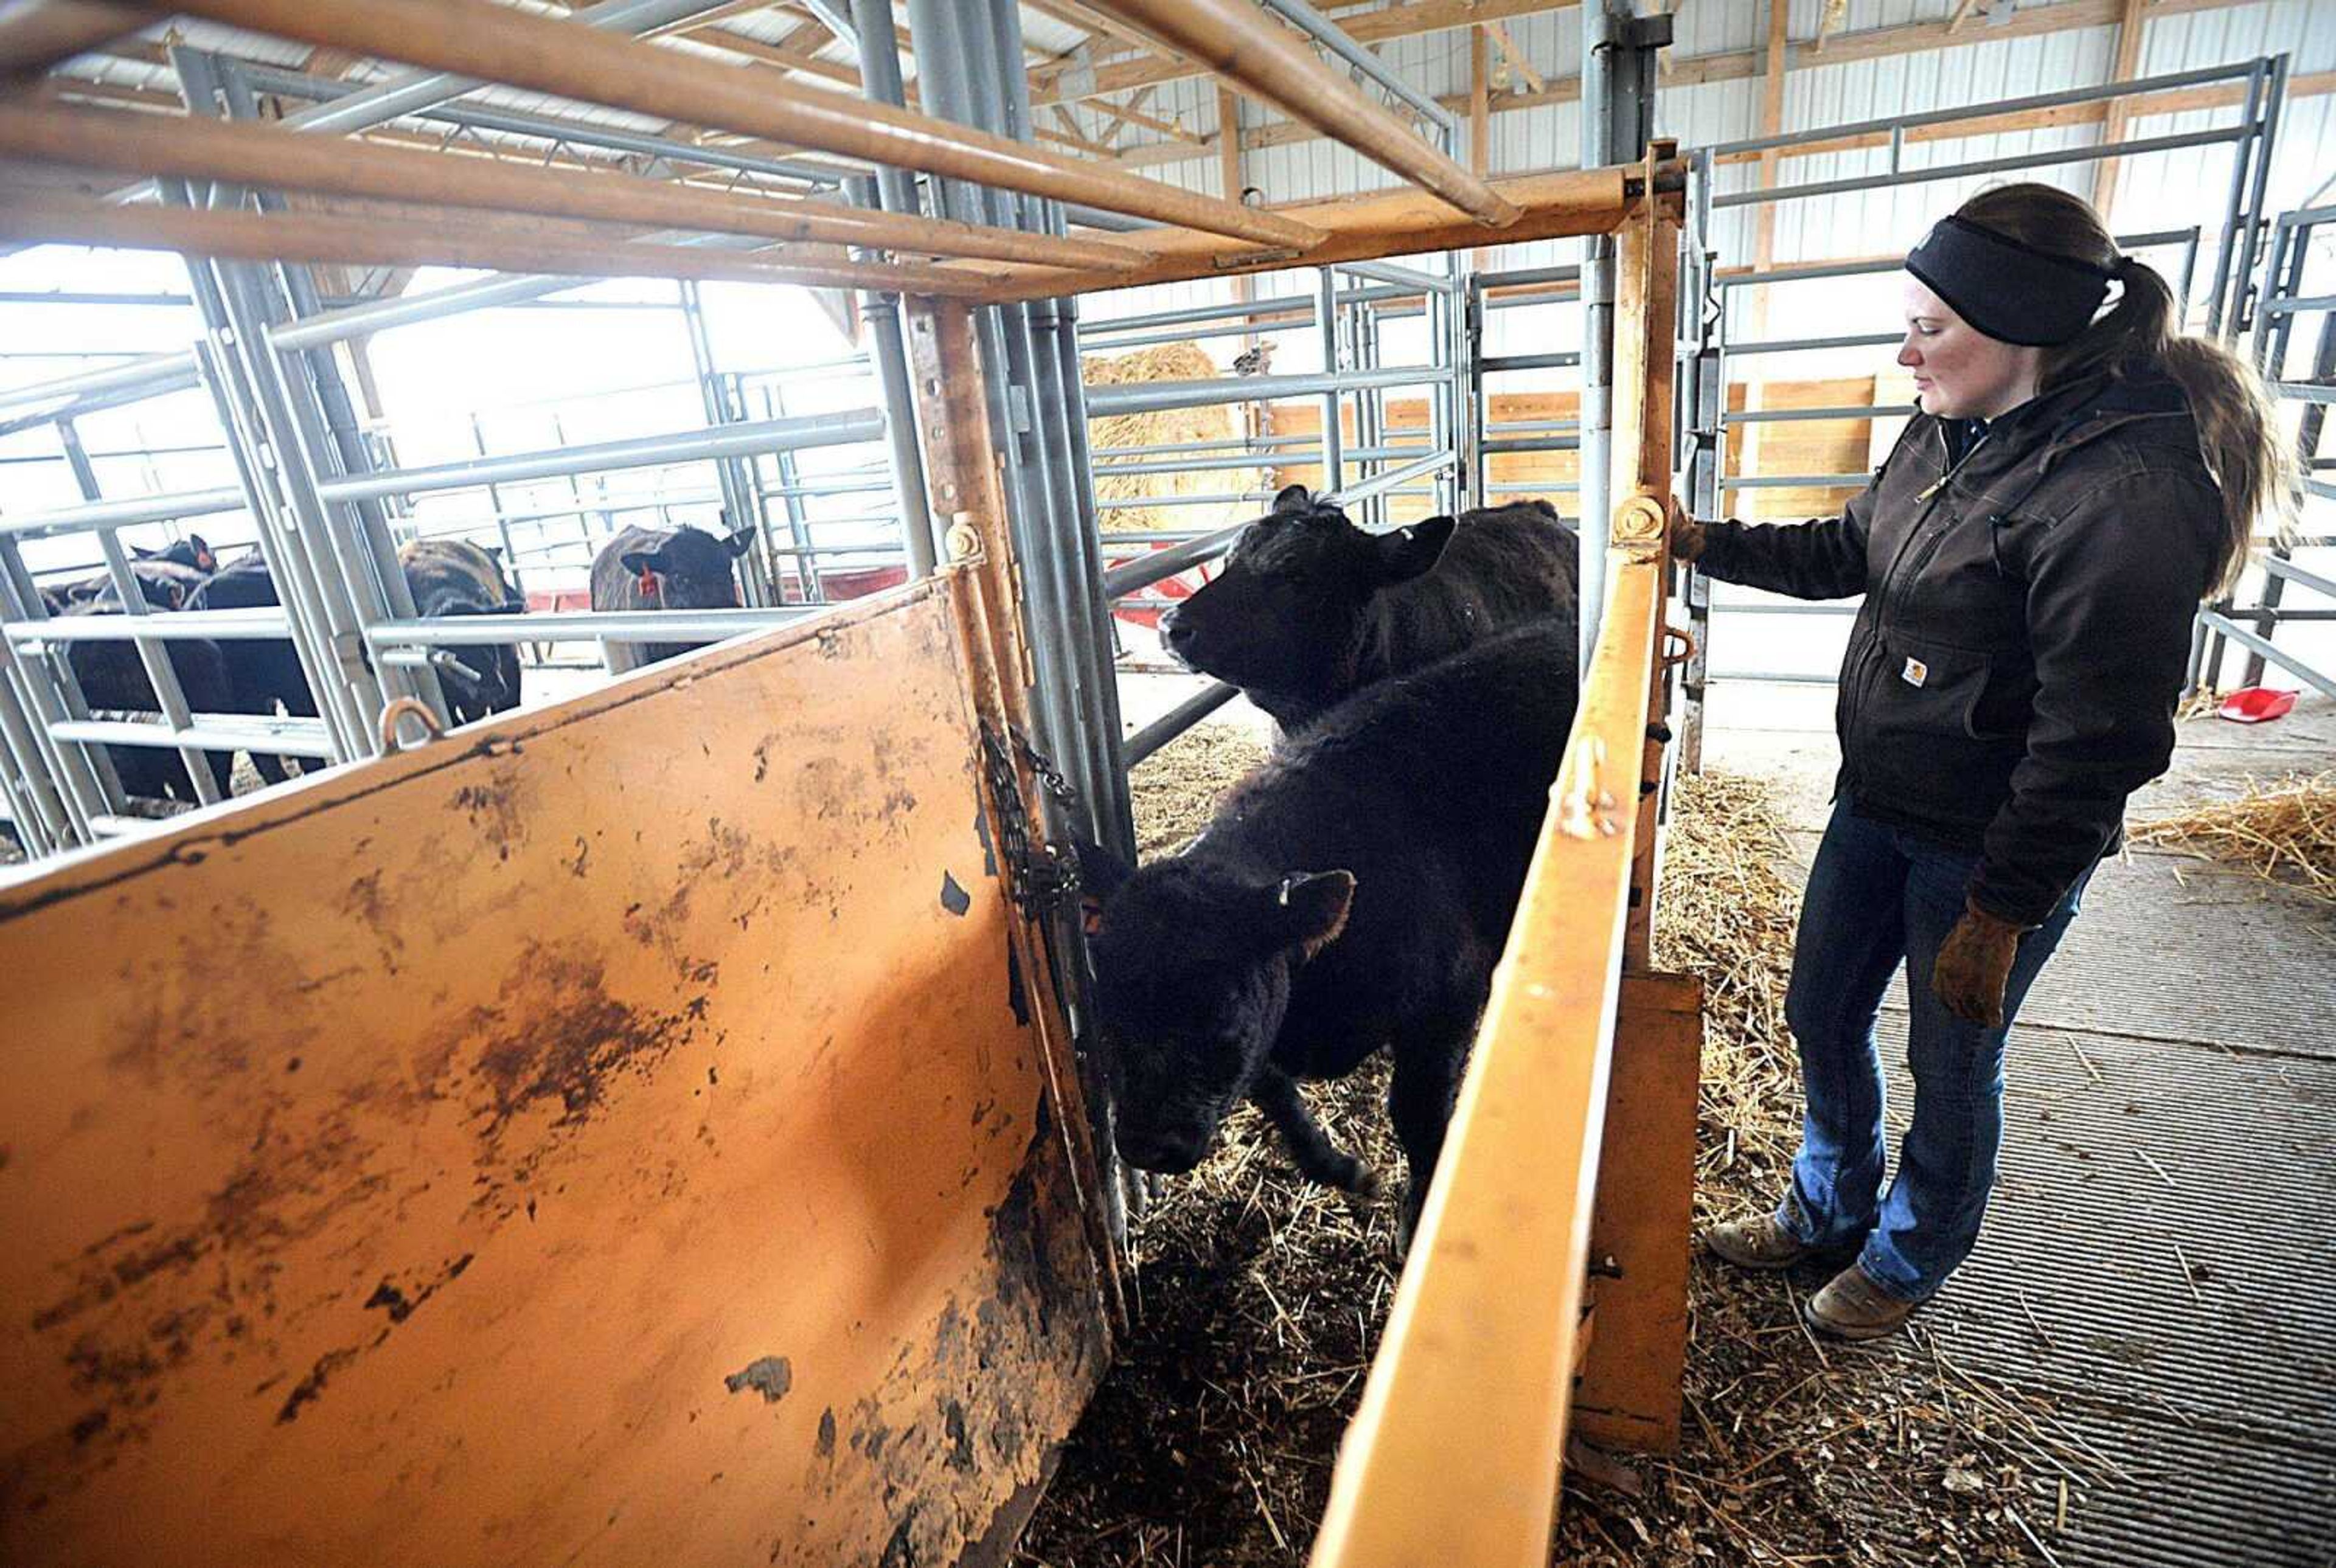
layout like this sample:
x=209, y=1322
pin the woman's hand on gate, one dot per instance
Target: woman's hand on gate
x=1686, y=533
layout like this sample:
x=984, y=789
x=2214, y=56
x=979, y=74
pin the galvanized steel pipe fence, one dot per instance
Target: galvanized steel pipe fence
x=327, y=515
x=2229, y=302
x=2291, y=291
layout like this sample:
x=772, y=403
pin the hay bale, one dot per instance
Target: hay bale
x=1167, y=362
x=2284, y=833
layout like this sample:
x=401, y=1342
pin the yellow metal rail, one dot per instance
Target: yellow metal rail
x=1454, y=1457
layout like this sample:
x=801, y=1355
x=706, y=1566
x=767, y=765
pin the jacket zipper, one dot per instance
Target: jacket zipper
x=1929, y=497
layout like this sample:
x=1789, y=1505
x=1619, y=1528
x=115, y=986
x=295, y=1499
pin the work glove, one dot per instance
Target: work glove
x=1686, y=533
x=1975, y=965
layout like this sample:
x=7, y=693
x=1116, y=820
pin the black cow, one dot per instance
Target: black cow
x=663, y=569
x=164, y=585
x=193, y=551
x=113, y=681
x=449, y=577
x=1309, y=608
x=1353, y=893
x=262, y=672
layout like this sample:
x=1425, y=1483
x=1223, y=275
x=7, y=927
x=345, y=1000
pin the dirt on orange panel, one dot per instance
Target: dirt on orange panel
x=603, y=1137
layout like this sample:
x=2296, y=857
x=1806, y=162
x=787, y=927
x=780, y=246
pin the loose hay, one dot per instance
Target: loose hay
x=1262, y=1298
x=1167, y=362
x=2284, y=834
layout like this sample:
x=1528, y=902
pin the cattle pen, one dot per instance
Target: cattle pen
x=663, y=1120
x=551, y=1036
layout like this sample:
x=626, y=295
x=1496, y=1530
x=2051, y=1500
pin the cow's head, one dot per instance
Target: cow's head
x=192, y=552
x=1287, y=614
x=1192, y=970
x=691, y=570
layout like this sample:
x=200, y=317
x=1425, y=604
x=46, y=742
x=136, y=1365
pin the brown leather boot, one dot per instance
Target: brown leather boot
x=1852, y=1306
x=1756, y=1242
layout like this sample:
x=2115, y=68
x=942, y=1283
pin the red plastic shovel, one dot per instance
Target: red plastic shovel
x=2256, y=704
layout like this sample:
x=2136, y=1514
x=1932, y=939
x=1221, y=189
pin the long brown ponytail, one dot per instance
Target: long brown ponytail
x=2238, y=434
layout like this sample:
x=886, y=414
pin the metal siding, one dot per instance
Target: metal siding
x=2159, y=190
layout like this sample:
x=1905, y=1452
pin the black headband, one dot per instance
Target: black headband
x=2008, y=290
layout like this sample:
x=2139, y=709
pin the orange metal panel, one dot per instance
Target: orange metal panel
x=1480, y=1351
x=613, y=1136
x=1629, y=1393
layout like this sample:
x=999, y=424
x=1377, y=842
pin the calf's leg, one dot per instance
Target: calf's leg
x=1427, y=1065
x=1318, y=1158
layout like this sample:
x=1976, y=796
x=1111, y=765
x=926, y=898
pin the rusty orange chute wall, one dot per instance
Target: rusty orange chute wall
x=611, y=1135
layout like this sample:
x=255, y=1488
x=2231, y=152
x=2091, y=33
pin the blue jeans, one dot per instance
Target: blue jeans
x=1878, y=894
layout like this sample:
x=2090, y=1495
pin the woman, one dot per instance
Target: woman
x=2032, y=555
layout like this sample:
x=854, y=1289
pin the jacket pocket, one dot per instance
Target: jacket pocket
x=1929, y=741
x=1930, y=689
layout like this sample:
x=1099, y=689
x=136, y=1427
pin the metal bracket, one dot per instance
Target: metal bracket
x=1639, y=528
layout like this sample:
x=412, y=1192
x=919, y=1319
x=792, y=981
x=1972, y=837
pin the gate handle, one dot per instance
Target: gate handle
x=399, y=709
x=1686, y=642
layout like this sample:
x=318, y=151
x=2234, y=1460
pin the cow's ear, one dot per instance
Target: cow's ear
x=1412, y=550
x=1308, y=909
x=1294, y=498
x=494, y=553
x=1101, y=874
x=641, y=562
x=737, y=543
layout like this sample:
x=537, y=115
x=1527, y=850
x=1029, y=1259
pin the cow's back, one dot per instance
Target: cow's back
x=1504, y=565
x=1430, y=787
x=454, y=566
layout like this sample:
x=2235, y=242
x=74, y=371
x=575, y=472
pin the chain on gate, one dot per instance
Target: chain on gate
x=1042, y=876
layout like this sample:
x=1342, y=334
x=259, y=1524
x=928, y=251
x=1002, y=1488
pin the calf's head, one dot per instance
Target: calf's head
x=1193, y=968
x=690, y=570
x=1286, y=613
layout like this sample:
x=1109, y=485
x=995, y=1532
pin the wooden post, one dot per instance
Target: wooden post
x=1629, y=1394
x=1647, y=302
x=1480, y=114
x=1454, y=1456
x=2128, y=58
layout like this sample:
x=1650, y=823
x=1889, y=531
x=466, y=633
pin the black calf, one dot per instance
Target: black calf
x=1308, y=608
x=1353, y=893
